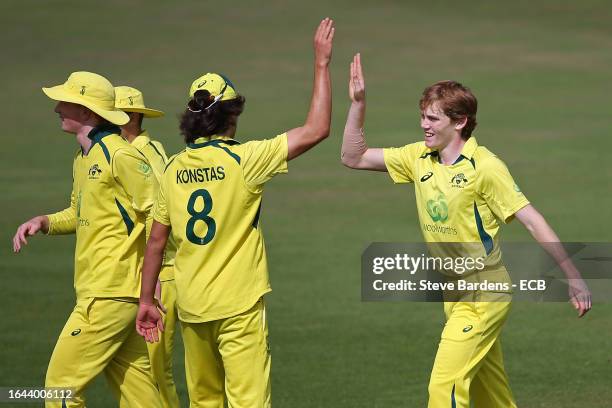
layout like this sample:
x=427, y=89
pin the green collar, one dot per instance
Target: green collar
x=96, y=134
x=212, y=140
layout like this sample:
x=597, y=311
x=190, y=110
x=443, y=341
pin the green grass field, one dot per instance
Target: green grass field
x=541, y=71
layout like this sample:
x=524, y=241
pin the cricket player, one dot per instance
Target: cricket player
x=463, y=193
x=111, y=200
x=131, y=101
x=210, y=199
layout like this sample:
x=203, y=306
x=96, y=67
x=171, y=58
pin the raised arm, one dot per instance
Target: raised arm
x=318, y=121
x=579, y=293
x=355, y=152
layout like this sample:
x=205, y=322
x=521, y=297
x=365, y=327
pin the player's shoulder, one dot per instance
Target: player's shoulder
x=418, y=149
x=116, y=145
x=154, y=152
x=258, y=143
x=157, y=145
x=126, y=156
x=257, y=148
x=176, y=159
x=412, y=151
x=114, y=141
x=126, y=149
x=484, y=159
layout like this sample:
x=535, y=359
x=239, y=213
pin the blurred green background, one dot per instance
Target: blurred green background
x=541, y=72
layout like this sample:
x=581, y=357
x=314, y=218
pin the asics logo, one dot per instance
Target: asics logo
x=426, y=176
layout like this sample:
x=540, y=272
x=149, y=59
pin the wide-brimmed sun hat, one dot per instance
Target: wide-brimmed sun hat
x=130, y=99
x=92, y=91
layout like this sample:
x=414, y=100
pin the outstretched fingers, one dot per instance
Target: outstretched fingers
x=325, y=30
x=356, y=81
x=325, y=34
x=358, y=70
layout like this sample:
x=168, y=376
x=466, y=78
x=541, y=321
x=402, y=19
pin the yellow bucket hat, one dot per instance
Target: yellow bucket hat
x=218, y=85
x=130, y=99
x=92, y=91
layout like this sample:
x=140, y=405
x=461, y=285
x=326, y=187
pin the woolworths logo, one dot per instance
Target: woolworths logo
x=438, y=209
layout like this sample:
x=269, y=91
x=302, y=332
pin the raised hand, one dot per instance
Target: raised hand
x=356, y=81
x=323, y=40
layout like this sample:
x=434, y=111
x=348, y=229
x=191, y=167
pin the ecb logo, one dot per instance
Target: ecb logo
x=82, y=90
x=131, y=101
x=438, y=209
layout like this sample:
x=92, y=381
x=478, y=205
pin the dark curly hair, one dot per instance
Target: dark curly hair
x=204, y=117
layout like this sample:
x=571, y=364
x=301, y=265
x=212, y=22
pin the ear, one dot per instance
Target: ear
x=460, y=123
x=85, y=113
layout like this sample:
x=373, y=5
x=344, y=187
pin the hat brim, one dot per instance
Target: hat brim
x=58, y=93
x=146, y=112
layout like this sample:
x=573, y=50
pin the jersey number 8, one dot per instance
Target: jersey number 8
x=200, y=216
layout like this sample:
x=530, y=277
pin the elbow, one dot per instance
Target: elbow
x=317, y=131
x=155, y=245
x=530, y=228
x=349, y=161
x=321, y=133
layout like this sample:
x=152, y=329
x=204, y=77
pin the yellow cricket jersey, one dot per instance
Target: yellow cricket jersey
x=210, y=195
x=461, y=203
x=112, y=195
x=156, y=156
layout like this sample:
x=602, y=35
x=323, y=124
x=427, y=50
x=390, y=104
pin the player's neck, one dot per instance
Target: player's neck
x=83, y=139
x=130, y=133
x=451, y=152
x=231, y=132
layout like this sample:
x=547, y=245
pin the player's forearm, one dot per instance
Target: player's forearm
x=150, y=270
x=61, y=222
x=319, y=115
x=154, y=254
x=353, y=141
x=44, y=223
x=548, y=239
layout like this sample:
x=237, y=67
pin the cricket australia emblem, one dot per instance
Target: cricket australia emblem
x=458, y=181
x=94, y=172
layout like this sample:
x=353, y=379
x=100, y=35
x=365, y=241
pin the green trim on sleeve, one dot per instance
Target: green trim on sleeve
x=126, y=218
x=485, y=238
